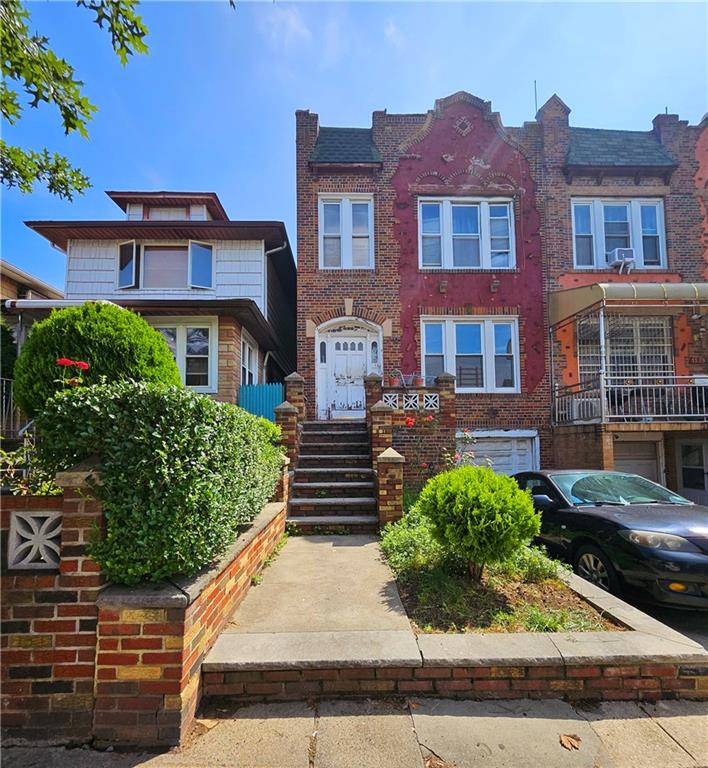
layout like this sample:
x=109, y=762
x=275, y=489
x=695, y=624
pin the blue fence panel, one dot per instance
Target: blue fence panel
x=261, y=399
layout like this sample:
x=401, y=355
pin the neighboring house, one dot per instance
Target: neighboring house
x=221, y=292
x=444, y=241
x=15, y=283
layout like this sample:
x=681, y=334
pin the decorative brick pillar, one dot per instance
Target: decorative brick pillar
x=282, y=490
x=295, y=393
x=381, y=429
x=448, y=405
x=373, y=389
x=389, y=486
x=286, y=417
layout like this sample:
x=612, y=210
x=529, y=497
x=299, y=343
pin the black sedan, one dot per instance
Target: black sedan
x=624, y=533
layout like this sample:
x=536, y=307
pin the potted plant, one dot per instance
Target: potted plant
x=394, y=380
x=418, y=380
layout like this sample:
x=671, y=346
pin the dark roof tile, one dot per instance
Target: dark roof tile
x=608, y=148
x=345, y=145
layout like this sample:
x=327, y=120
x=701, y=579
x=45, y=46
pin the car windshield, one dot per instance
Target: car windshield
x=613, y=488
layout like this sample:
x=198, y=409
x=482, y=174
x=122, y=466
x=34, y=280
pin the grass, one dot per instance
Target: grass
x=522, y=594
x=257, y=578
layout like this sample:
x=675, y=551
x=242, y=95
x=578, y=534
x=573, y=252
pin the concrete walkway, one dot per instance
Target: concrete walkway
x=424, y=733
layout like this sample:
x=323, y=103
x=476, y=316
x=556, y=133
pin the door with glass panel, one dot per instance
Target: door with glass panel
x=692, y=463
x=349, y=361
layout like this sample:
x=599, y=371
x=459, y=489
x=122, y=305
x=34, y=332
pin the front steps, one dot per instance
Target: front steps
x=333, y=487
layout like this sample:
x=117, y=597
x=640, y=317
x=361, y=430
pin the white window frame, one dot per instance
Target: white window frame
x=248, y=342
x=449, y=347
x=142, y=244
x=597, y=226
x=485, y=255
x=181, y=323
x=345, y=232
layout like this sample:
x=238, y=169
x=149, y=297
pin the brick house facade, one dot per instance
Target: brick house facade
x=422, y=174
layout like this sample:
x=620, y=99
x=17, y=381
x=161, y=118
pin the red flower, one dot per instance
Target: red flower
x=423, y=465
x=65, y=361
x=409, y=421
x=466, y=430
x=82, y=365
x=429, y=417
x=457, y=457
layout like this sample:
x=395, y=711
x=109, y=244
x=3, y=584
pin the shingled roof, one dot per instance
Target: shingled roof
x=345, y=145
x=607, y=148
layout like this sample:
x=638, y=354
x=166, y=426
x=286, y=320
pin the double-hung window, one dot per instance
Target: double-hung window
x=249, y=362
x=193, y=342
x=601, y=227
x=482, y=354
x=465, y=233
x=346, y=227
x=159, y=266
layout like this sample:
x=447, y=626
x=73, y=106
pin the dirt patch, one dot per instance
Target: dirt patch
x=440, y=602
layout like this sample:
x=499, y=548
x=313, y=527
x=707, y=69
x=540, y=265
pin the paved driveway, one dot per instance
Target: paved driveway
x=693, y=624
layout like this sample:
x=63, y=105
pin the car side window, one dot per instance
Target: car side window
x=539, y=486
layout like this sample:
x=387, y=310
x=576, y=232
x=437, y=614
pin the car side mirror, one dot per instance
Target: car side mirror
x=544, y=502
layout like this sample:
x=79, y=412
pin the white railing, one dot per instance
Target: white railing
x=633, y=398
x=10, y=416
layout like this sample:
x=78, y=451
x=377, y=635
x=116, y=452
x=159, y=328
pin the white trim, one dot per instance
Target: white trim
x=196, y=321
x=132, y=286
x=248, y=341
x=345, y=228
x=446, y=233
x=597, y=226
x=487, y=337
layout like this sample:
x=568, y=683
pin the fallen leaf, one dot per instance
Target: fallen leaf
x=413, y=705
x=570, y=741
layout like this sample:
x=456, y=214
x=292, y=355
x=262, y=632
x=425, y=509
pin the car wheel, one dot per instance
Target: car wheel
x=593, y=565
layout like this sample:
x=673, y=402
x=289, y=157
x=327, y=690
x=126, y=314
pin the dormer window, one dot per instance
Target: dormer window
x=161, y=266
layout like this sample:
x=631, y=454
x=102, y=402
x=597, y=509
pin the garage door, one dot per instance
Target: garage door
x=505, y=455
x=637, y=456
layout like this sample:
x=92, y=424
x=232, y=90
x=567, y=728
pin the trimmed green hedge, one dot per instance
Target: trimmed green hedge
x=181, y=474
x=115, y=342
x=478, y=515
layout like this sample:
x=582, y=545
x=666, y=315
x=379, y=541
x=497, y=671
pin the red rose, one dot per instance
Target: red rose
x=409, y=422
x=65, y=361
x=457, y=457
x=82, y=365
x=429, y=417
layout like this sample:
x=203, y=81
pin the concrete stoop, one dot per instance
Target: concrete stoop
x=333, y=487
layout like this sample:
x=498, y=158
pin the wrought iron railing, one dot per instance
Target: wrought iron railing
x=633, y=398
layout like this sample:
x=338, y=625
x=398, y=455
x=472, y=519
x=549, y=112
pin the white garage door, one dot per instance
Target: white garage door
x=505, y=454
x=637, y=456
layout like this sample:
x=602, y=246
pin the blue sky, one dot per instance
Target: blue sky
x=212, y=105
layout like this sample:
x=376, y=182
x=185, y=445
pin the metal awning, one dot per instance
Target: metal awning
x=573, y=301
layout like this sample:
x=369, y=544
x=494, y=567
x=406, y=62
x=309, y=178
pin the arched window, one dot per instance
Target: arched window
x=360, y=346
x=345, y=346
x=374, y=353
x=323, y=351
x=338, y=346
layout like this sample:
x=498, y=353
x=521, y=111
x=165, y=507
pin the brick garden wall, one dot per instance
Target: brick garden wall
x=635, y=682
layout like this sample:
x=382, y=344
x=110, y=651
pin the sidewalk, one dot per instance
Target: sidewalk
x=425, y=733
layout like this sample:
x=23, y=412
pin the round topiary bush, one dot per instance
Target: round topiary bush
x=180, y=473
x=116, y=343
x=478, y=515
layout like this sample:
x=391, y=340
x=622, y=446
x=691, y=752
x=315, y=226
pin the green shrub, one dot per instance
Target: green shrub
x=8, y=350
x=528, y=564
x=116, y=343
x=478, y=515
x=181, y=473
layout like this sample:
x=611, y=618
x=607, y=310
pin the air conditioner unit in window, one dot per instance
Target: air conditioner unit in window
x=623, y=258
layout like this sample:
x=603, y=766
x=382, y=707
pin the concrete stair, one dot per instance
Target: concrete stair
x=333, y=487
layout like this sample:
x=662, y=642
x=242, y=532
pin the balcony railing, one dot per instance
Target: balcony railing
x=633, y=399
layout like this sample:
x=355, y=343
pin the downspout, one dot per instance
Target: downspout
x=265, y=364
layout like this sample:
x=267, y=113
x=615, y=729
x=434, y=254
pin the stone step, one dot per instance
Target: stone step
x=335, y=523
x=338, y=448
x=361, y=437
x=333, y=474
x=336, y=489
x=334, y=426
x=332, y=506
x=330, y=460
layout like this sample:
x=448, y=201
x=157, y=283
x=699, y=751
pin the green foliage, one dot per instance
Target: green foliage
x=181, y=474
x=46, y=78
x=23, y=475
x=532, y=618
x=528, y=564
x=8, y=350
x=117, y=344
x=478, y=515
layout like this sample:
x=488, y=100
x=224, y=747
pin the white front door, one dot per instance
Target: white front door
x=692, y=462
x=346, y=377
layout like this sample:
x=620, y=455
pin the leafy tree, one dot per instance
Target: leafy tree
x=30, y=65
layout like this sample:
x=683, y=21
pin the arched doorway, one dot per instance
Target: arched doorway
x=346, y=350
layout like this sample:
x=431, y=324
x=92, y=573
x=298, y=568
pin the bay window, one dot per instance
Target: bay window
x=465, y=233
x=346, y=226
x=482, y=354
x=160, y=266
x=602, y=226
x=193, y=342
